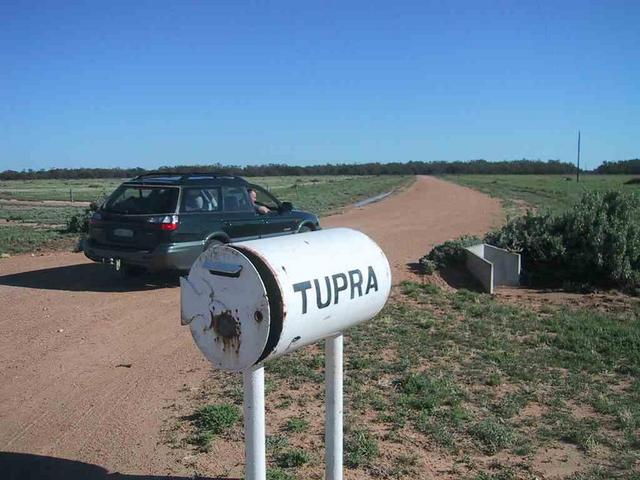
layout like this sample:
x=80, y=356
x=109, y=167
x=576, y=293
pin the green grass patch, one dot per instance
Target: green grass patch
x=296, y=425
x=492, y=434
x=279, y=474
x=45, y=215
x=426, y=393
x=553, y=192
x=292, y=457
x=213, y=420
x=360, y=448
x=16, y=239
x=85, y=190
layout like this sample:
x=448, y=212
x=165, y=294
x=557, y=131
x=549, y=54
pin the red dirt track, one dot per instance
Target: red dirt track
x=91, y=364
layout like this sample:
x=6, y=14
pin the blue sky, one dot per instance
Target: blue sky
x=155, y=83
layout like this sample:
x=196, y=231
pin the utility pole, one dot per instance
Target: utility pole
x=578, y=170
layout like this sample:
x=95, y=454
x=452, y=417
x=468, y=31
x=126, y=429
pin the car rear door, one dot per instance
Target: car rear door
x=200, y=213
x=241, y=221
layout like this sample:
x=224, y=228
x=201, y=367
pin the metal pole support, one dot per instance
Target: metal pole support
x=254, y=430
x=333, y=407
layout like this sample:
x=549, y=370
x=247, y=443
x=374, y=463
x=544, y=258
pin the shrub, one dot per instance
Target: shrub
x=79, y=223
x=539, y=238
x=596, y=242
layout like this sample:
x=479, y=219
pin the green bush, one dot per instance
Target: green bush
x=448, y=254
x=595, y=243
x=79, y=223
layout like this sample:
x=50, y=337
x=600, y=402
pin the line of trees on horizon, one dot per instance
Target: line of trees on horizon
x=519, y=167
x=629, y=167
x=516, y=167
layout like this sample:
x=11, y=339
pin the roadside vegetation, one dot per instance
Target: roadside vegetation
x=460, y=385
x=32, y=223
x=555, y=193
x=593, y=244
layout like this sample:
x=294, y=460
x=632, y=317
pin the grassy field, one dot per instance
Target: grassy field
x=38, y=190
x=42, y=214
x=554, y=192
x=452, y=385
x=27, y=227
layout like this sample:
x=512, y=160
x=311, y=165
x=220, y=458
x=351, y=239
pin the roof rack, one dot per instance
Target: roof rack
x=184, y=176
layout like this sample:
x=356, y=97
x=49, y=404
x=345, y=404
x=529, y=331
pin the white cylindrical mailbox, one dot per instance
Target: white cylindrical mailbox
x=248, y=302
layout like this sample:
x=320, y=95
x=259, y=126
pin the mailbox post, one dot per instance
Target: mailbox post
x=249, y=302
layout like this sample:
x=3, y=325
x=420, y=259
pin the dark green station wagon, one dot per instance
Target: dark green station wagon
x=161, y=221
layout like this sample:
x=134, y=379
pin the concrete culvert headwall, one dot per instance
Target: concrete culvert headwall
x=493, y=266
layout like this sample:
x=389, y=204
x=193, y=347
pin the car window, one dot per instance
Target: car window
x=142, y=200
x=265, y=198
x=200, y=200
x=236, y=199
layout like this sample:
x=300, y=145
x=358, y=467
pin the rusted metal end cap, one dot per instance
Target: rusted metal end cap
x=224, y=302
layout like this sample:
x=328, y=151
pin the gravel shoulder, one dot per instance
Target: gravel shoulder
x=93, y=365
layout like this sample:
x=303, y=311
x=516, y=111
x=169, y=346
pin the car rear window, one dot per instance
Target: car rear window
x=200, y=200
x=150, y=200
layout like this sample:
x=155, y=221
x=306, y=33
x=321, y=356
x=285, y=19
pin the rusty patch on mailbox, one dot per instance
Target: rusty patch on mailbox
x=226, y=327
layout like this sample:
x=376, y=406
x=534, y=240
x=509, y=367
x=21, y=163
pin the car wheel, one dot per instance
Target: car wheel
x=305, y=228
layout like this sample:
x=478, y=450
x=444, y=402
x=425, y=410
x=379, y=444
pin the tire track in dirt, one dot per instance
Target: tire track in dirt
x=67, y=323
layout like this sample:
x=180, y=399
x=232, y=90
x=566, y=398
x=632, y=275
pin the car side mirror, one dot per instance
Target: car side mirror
x=286, y=206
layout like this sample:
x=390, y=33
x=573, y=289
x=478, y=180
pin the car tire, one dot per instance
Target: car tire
x=305, y=228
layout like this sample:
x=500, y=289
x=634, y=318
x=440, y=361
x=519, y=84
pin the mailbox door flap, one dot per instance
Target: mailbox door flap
x=228, y=313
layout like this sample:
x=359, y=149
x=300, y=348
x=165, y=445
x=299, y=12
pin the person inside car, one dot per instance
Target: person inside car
x=194, y=201
x=259, y=208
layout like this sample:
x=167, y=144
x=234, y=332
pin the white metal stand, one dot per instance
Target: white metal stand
x=333, y=407
x=254, y=430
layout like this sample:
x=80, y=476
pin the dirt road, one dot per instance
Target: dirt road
x=91, y=365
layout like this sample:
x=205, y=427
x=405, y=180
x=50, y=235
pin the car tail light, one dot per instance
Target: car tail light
x=96, y=219
x=167, y=223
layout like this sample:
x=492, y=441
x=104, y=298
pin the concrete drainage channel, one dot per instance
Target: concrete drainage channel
x=493, y=266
